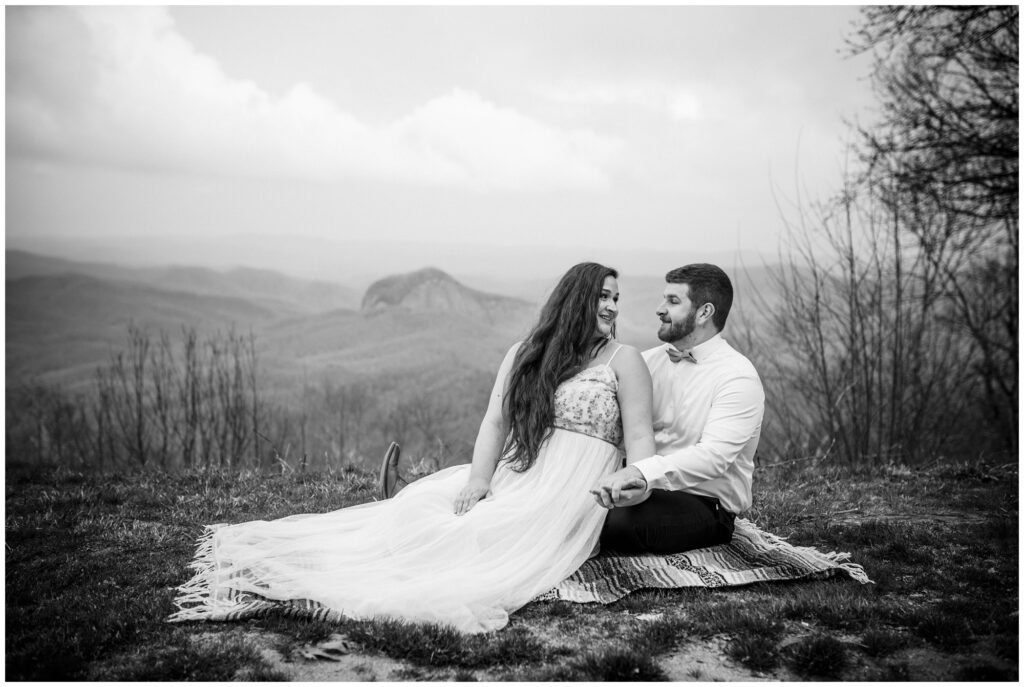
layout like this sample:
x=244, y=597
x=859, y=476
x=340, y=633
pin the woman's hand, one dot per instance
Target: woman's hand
x=470, y=494
x=622, y=488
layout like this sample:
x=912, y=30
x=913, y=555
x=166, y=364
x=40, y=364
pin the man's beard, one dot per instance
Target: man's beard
x=678, y=330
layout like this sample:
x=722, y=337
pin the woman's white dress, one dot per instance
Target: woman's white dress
x=410, y=557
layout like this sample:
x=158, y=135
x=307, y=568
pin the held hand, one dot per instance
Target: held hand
x=470, y=494
x=625, y=487
x=633, y=494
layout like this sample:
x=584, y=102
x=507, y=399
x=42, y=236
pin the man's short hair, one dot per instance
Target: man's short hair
x=708, y=284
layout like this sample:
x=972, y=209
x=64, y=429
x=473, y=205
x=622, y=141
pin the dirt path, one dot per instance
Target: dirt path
x=350, y=667
x=698, y=661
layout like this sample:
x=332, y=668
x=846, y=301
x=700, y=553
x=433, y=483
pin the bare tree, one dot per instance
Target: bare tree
x=105, y=448
x=855, y=354
x=252, y=381
x=162, y=374
x=128, y=375
x=430, y=413
x=945, y=160
x=189, y=399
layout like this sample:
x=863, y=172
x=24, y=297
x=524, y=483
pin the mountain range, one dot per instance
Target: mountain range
x=302, y=295
x=64, y=318
x=357, y=263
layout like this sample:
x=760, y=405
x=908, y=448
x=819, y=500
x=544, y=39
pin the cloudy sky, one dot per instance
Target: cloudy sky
x=518, y=126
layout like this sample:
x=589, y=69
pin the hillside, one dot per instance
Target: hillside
x=62, y=322
x=105, y=552
x=408, y=324
x=276, y=289
x=59, y=328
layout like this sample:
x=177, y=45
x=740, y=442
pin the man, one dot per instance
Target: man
x=708, y=406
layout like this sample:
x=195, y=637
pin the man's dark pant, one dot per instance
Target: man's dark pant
x=667, y=522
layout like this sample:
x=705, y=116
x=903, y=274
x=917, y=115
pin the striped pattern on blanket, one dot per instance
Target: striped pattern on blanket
x=751, y=556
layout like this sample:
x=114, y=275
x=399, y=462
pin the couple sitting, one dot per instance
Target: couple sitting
x=469, y=544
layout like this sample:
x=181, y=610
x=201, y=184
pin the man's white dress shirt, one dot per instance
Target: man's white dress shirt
x=707, y=421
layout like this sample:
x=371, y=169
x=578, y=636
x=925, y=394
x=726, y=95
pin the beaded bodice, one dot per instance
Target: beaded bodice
x=586, y=403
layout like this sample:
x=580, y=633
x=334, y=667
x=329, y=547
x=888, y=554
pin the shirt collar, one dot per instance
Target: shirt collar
x=702, y=352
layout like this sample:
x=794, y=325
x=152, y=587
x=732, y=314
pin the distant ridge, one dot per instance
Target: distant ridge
x=291, y=293
x=431, y=289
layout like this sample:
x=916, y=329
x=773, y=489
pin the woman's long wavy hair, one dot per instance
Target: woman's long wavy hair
x=562, y=342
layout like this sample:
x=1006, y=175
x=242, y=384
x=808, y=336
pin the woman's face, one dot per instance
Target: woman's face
x=607, y=306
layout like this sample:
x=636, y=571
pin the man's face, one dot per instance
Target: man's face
x=678, y=315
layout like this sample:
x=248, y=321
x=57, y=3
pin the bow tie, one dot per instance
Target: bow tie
x=675, y=355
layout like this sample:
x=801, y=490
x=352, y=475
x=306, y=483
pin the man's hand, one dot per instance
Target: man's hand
x=625, y=487
x=470, y=494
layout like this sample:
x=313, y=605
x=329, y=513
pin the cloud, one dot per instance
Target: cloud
x=502, y=147
x=677, y=103
x=120, y=86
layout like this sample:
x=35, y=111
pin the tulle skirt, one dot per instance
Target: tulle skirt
x=410, y=557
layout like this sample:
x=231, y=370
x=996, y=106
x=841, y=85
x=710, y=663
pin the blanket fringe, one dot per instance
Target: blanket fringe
x=856, y=572
x=839, y=560
x=195, y=598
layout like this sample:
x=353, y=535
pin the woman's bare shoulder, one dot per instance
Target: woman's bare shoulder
x=510, y=355
x=627, y=359
x=628, y=351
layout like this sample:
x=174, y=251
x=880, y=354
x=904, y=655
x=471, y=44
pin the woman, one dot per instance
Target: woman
x=469, y=544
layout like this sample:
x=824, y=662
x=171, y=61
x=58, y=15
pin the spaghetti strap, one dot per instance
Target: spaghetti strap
x=614, y=354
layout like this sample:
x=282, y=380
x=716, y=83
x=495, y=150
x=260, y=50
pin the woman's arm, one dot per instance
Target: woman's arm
x=490, y=440
x=635, y=400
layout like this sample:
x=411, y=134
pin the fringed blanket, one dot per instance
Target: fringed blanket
x=752, y=556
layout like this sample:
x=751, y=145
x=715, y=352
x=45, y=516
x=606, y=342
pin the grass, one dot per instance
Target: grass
x=92, y=561
x=615, y=666
x=879, y=643
x=228, y=658
x=754, y=651
x=429, y=644
x=819, y=656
